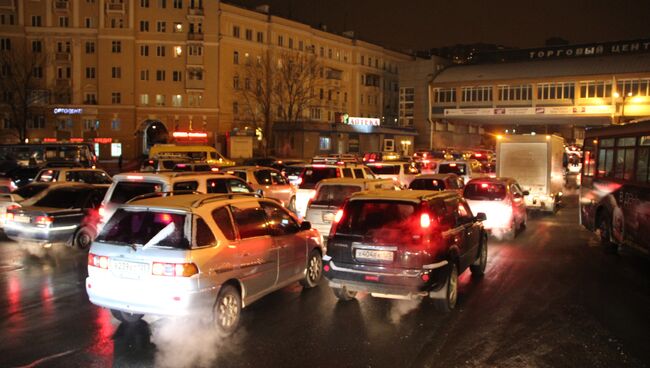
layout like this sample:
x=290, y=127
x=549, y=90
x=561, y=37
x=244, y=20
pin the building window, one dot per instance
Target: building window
x=90, y=47
x=235, y=57
x=5, y=44
x=116, y=98
x=444, y=95
x=476, y=94
x=37, y=122
x=249, y=34
x=116, y=47
x=556, y=91
x=290, y=43
x=516, y=93
x=115, y=124
x=116, y=149
x=37, y=46
x=177, y=100
x=595, y=89
x=90, y=98
x=280, y=41
x=90, y=72
x=177, y=76
x=178, y=27
x=161, y=26
x=162, y=4
x=194, y=99
x=160, y=100
x=235, y=82
x=178, y=51
x=178, y=4
x=324, y=143
x=637, y=87
x=144, y=50
x=91, y=124
x=144, y=99
x=235, y=107
x=406, y=106
x=235, y=31
x=144, y=26
x=315, y=113
x=160, y=51
x=7, y=19
x=160, y=75
x=144, y=75
x=88, y=22
x=116, y=72
x=260, y=37
x=144, y=3
x=37, y=21
x=195, y=50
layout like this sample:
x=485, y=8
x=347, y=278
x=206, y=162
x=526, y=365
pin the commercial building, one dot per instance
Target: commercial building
x=126, y=74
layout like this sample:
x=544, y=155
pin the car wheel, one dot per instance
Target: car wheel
x=83, y=238
x=605, y=230
x=448, y=302
x=126, y=317
x=314, y=270
x=292, y=204
x=227, y=310
x=478, y=268
x=344, y=294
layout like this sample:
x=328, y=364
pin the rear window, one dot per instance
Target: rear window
x=293, y=170
x=485, y=191
x=334, y=195
x=146, y=228
x=371, y=217
x=313, y=175
x=385, y=169
x=127, y=190
x=458, y=169
x=48, y=176
x=5, y=189
x=427, y=184
x=29, y=191
x=64, y=198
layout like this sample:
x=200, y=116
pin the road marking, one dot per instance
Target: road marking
x=45, y=359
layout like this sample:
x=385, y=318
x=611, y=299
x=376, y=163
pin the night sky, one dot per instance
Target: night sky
x=423, y=24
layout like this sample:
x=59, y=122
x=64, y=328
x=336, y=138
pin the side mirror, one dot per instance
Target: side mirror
x=517, y=195
x=480, y=216
x=525, y=192
x=305, y=225
x=259, y=193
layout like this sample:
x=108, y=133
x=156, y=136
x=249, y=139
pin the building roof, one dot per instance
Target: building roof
x=594, y=65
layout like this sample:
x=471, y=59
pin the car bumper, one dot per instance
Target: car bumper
x=20, y=232
x=402, y=284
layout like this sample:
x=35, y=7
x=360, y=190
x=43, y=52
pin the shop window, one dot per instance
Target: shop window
x=116, y=149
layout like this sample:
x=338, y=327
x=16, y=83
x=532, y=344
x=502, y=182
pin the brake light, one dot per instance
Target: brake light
x=97, y=261
x=174, y=269
x=338, y=216
x=452, y=165
x=102, y=213
x=135, y=177
x=484, y=185
x=478, y=155
x=43, y=220
x=425, y=220
x=214, y=169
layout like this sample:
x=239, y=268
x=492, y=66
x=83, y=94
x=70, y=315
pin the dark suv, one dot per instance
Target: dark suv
x=404, y=245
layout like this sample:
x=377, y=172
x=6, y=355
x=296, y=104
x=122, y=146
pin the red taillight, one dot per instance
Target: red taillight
x=135, y=177
x=174, y=269
x=97, y=261
x=484, y=185
x=326, y=268
x=425, y=277
x=102, y=213
x=338, y=216
x=215, y=169
x=43, y=220
x=452, y=165
x=425, y=220
x=478, y=155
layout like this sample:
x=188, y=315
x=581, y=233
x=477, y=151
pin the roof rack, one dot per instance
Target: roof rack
x=220, y=196
x=162, y=194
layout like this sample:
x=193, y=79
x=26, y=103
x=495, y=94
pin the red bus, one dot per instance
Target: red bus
x=615, y=190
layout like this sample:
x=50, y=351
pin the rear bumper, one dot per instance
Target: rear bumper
x=19, y=232
x=407, y=283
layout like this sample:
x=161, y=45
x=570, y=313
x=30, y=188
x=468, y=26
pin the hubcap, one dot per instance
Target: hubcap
x=84, y=240
x=228, y=311
x=314, y=268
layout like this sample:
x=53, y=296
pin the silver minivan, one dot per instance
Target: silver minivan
x=199, y=254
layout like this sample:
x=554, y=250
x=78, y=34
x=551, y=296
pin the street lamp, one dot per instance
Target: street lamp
x=622, y=115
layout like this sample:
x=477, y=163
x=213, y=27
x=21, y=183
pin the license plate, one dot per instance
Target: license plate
x=328, y=217
x=22, y=219
x=129, y=269
x=375, y=255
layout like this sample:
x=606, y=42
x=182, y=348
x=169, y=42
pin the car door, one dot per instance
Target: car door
x=471, y=229
x=257, y=251
x=518, y=203
x=286, y=237
x=225, y=261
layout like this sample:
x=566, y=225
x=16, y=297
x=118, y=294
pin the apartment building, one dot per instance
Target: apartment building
x=126, y=74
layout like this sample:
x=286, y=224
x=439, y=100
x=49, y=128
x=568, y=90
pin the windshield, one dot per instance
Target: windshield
x=313, y=175
x=127, y=190
x=47, y=176
x=485, y=191
x=29, y=191
x=427, y=184
x=459, y=169
x=385, y=169
x=63, y=198
x=334, y=195
x=160, y=229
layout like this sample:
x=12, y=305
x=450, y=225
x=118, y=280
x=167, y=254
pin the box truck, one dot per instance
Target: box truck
x=535, y=161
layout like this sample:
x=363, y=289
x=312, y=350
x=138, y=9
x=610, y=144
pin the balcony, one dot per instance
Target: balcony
x=61, y=5
x=116, y=8
x=195, y=36
x=194, y=84
x=62, y=56
x=195, y=11
x=7, y=4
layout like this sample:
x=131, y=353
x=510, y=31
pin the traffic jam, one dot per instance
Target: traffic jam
x=204, y=239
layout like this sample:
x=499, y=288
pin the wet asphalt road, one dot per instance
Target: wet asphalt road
x=551, y=298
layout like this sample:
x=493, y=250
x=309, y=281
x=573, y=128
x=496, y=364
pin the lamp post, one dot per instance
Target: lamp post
x=622, y=115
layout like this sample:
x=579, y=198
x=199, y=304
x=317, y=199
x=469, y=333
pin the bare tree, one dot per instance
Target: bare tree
x=277, y=84
x=22, y=86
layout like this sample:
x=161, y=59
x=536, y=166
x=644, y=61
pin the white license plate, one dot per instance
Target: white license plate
x=328, y=217
x=376, y=255
x=22, y=219
x=129, y=269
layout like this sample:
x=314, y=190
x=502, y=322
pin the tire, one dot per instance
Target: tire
x=344, y=294
x=448, y=303
x=227, y=310
x=605, y=229
x=292, y=205
x=524, y=222
x=314, y=270
x=83, y=238
x=478, y=268
x=126, y=317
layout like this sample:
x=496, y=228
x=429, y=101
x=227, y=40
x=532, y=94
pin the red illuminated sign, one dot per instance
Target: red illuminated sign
x=103, y=140
x=190, y=135
x=76, y=140
x=49, y=140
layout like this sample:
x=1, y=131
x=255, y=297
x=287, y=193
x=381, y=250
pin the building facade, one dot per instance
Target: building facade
x=130, y=73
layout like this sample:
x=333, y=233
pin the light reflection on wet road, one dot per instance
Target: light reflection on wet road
x=551, y=298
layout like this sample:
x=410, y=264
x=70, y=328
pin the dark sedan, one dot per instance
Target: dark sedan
x=66, y=214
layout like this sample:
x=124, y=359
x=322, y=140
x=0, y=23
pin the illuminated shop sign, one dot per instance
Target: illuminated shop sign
x=195, y=135
x=362, y=121
x=608, y=48
x=559, y=110
x=67, y=111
